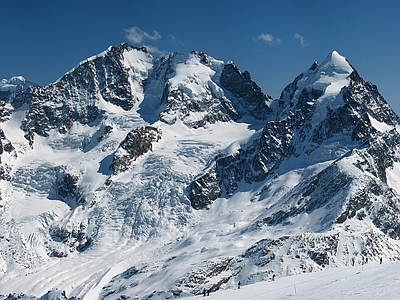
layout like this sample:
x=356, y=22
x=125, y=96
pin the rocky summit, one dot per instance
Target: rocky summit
x=136, y=176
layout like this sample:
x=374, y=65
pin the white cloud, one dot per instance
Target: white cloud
x=270, y=39
x=175, y=40
x=154, y=50
x=137, y=36
x=266, y=37
x=300, y=38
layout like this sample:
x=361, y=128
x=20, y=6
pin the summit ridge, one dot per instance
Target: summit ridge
x=337, y=62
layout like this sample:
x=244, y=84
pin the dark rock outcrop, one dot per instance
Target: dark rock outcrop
x=138, y=142
x=75, y=97
x=251, y=163
x=6, y=147
x=303, y=130
x=68, y=188
x=74, y=237
x=249, y=94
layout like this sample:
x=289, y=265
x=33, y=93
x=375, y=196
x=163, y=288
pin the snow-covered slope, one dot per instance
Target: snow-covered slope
x=9, y=88
x=360, y=282
x=137, y=176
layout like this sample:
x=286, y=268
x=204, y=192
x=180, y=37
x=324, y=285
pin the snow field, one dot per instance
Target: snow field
x=361, y=282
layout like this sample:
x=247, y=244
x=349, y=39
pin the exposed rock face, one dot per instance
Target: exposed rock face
x=48, y=111
x=204, y=190
x=251, y=163
x=104, y=132
x=180, y=106
x=352, y=187
x=211, y=276
x=67, y=239
x=203, y=99
x=125, y=75
x=7, y=153
x=313, y=252
x=8, y=91
x=9, y=88
x=68, y=188
x=5, y=111
x=138, y=142
x=300, y=133
x=76, y=96
x=246, y=91
x=50, y=295
x=5, y=144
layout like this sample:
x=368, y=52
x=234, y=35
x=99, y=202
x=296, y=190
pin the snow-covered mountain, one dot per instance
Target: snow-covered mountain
x=9, y=88
x=134, y=176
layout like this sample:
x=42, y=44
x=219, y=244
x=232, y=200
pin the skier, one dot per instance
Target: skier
x=239, y=285
x=380, y=260
x=204, y=292
x=273, y=277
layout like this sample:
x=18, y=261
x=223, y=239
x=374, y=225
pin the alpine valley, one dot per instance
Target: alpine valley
x=136, y=176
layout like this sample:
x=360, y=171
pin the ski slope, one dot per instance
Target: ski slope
x=369, y=281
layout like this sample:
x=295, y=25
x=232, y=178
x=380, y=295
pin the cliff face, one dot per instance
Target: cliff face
x=195, y=89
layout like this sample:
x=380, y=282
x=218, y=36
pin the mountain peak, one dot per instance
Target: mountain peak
x=11, y=87
x=335, y=62
x=325, y=79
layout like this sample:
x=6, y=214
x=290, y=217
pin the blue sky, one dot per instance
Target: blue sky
x=273, y=40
